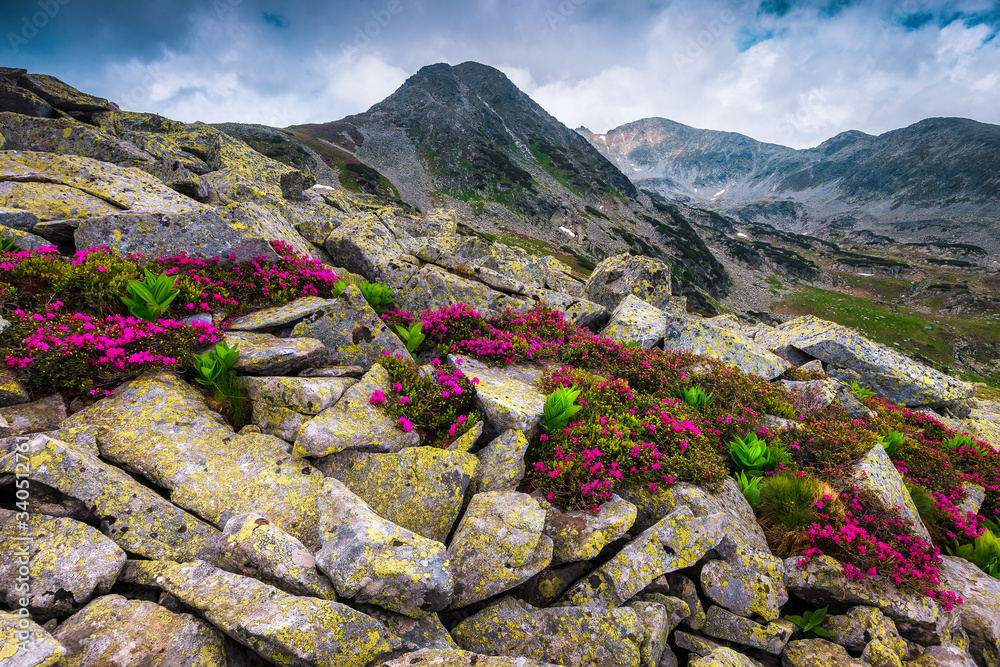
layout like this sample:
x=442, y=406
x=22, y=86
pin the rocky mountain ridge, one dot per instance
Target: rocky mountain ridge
x=935, y=180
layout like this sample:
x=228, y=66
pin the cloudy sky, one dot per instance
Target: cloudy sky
x=793, y=72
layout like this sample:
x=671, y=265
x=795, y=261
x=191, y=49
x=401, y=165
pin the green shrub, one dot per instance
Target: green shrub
x=214, y=370
x=810, y=621
x=750, y=486
x=753, y=456
x=559, y=407
x=7, y=245
x=954, y=443
x=378, y=296
x=696, y=397
x=151, y=297
x=892, y=441
x=924, y=502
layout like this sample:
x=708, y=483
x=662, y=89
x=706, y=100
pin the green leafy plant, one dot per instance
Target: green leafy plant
x=923, y=500
x=892, y=441
x=859, y=391
x=559, y=407
x=984, y=551
x=378, y=296
x=212, y=368
x=953, y=444
x=810, y=621
x=7, y=245
x=751, y=487
x=696, y=397
x=151, y=297
x=753, y=456
x=412, y=337
x=338, y=288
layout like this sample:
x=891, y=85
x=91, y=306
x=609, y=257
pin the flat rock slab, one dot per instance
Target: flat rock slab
x=850, y=356
x=36, y=648
x=817, y=653
x=372, y=560
x=113, y=630
x=562, y=635
x=757, y=588
x=353, y=333
x=676, y=542
x=364, y=245
x=434, y=288
x=635, y=321
x=68, y=562
x=283, y=628
x=264, y=354
x=691, y=334
x=501, y=462
x=279, y=316
x=420, y=488
x=498, y=544
x=580, y=312
x=581, y=535
x=45, y=414
x=508, y=396
x=770, y=637
x=424, y=631
x=980, y=610
x=139, y=520
x=257, y=548
x=436, y=657
x=161, y=428
x=354, y=423
x=877, y=474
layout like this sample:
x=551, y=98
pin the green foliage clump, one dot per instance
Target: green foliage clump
x=861, y=392
x=214, y=371
x=984, y=550
x=810, y=621
x=151, y=297
x=891, y=441
x=378, y=296
x=559, y=407
x=750, y=487
x=696, y=397
x=753, y=456
x=413, y=337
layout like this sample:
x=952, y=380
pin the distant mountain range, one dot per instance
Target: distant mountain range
x=936, y=180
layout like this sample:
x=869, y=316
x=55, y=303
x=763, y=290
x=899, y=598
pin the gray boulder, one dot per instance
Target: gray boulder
x=507, y=396
x=691, y=334
x=27, y=644
x=877, y=474
x=580, y=534
x=501, y=463
x=635, y=321
x=980, y=609
x=264, y=354
x=624, y=275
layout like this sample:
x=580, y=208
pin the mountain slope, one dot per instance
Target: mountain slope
x=938, y=179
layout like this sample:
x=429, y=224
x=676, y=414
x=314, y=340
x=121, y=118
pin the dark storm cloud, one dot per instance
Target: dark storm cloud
x=789, y=71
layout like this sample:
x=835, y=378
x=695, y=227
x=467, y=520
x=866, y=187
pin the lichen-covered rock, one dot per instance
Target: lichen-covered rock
x=68, y=562
x=580, y=535
x=154, y=234
x=697, y=644
x=112, y=630
x=365, y=246
x=682, y=588
x=742, y=531
x=625, y=275
x=15, y=218
x=580, y=312
x=372, y=560
x=272, y=318
x=849, y=356
x=353, y=333
x=817, y=394
x=562, y=635
x=419, y=488
x=770, y=637
x=943, y=656
x=545, y=587
x=354, y=423
x=816, y=653
x=690, y=334
x=283, y=628
x=11, y=391
x=529, y=269
x=263, y=354
x=62, y=95
x=678, y=541
x=161, y=428
x=433, y=288
x=877, y=474
x=498, y=544
x=425, y=631
x=436, y=657
x=635, y=321
x=501, y=463
x=138, y=520
x=466, y=441
x=822, y=581
x=257, y=548
x=45, y=414
x=980, y=609
x=656, y=626
x=507, y=396
x=23, y=643
x=756, y=588
x=281, y=405
x=723, y=656
x=69, y=136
